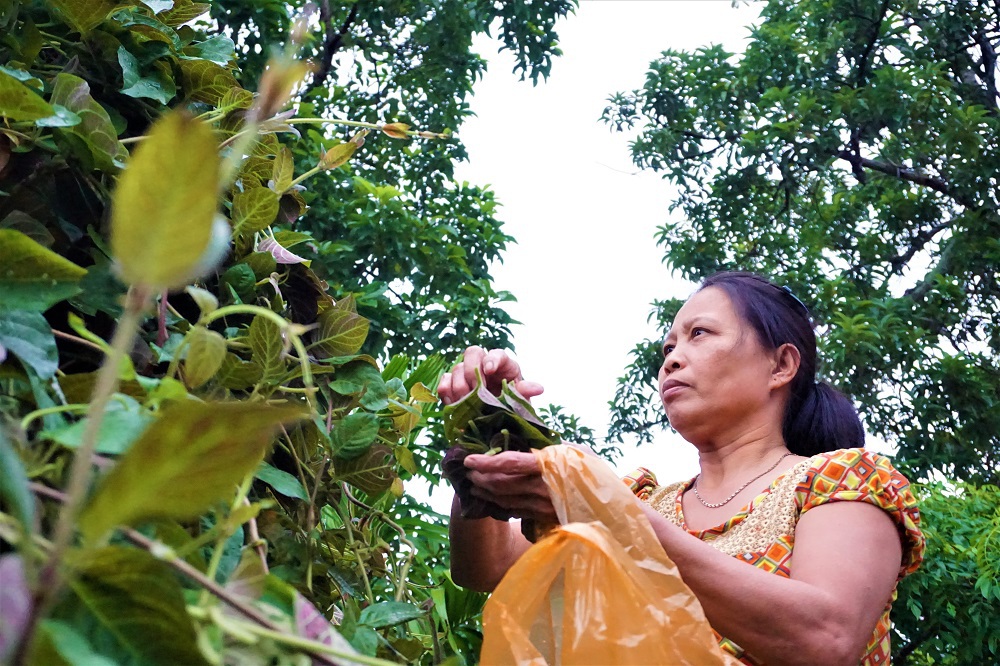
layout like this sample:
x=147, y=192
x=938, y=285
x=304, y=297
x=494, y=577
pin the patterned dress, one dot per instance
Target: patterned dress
x=762, y=534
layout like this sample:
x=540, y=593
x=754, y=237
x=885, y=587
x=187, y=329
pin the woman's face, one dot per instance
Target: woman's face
x=715, y=376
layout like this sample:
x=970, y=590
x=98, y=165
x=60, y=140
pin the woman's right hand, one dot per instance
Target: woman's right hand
x=495, y=365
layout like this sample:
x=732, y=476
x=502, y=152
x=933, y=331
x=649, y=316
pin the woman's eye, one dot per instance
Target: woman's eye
x=696, y=332
x=667, y=349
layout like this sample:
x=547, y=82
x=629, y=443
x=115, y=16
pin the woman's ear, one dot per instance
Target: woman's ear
x=786, y=365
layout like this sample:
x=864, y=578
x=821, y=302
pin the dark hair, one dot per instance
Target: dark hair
x=818, y=417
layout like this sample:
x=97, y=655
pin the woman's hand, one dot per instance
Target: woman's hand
x=495, y=366
x=513, y=481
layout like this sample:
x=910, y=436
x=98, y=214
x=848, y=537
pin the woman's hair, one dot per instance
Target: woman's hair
x=818, y=417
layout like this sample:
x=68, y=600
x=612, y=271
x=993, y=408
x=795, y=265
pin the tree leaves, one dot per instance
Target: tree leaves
x=85, y=15
x=389, y=613
x=33, y=277
x=254, y=209
x=204, y=81
x=137, y=599
x=14, y=486
x=18, y=102
x=157, y=85
x=342, y=331
x=281, y=481
x=206, y=350
x=28, y=336
x=371, y=472
x=190, y=457
x=95, y=127
x=268, y=346
x=354, y=434
x=164, y=206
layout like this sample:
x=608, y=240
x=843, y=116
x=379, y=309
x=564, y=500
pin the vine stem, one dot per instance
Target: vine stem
x=220, y=542
x=405, y=569
x=318, y=650
x=50, y=578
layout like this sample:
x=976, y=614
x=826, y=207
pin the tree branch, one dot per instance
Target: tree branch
x=989, y=69
x=863, y=60
x=907, y=174
x=331, y=44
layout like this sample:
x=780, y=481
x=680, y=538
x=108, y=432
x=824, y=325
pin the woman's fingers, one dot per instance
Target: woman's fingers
x=495, y=366
x=508, y=462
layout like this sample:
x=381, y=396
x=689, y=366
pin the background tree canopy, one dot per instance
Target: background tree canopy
x=853, y=153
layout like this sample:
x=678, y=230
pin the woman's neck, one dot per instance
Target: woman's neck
x=731, y=463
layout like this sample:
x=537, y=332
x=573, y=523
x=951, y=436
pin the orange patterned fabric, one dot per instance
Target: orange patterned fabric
x=847, y=475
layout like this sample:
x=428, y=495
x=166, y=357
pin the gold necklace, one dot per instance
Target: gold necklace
x=729, y=499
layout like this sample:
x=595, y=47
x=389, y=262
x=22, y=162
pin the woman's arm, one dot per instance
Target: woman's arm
x=844, y=567
x=483, y=550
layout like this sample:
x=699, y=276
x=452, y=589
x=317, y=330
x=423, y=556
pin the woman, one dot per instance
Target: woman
x=782, y=472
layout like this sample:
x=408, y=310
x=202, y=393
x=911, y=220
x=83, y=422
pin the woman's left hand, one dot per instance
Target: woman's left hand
x=513, y=481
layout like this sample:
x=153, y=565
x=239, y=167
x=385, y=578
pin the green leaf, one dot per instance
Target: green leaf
x=184, y=11
x=341, y=332
x=254, y=209
x=361, y=377
x=237, y=374
x=204, y=81
x=124, y=421
x=58, y=644
x=389, y=613
x=218, y=49
x=30, y=338
x=371, y=472
x=95, y=127
x=85, y=15
x=192, y=456
x=267, y=345
x=18, y=102
x=164, y=206
x=283, y=171
x=281, y=481
x=205, y=352
x=241, y=278
x=138, y=600
x=33, y=277
x=156, y=86
x=14, y=484
x=354, y=434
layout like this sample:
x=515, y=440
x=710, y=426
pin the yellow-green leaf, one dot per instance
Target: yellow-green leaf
x=267, y=345
x=341, y=331
x=205, y=81
x=184, y=11
x=191, y=456
x=284, y=170
x=18, y=102
x=338, y=155
x=421, y=393
x=33, y=277
x=164, y=207
x=85, y=15
x=206, y=300
x=254, y=209
x=237, y=374
x=95, y=127
x=205, y=353
x=396, y=130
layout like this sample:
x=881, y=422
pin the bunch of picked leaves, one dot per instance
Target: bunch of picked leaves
x=485, y=423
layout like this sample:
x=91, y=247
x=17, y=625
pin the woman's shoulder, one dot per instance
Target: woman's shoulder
x=860, y=475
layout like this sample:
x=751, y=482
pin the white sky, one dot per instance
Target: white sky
x=586, y=266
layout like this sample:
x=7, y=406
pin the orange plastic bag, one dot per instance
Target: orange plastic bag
x=598, y=589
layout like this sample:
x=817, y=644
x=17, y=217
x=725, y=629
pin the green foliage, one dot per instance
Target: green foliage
x=168, y=313
x=852, y=153
x=949, y=611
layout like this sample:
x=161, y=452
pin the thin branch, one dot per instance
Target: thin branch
x=863, y=60
x=73, y=338
x=331, y=44
x=907, y=174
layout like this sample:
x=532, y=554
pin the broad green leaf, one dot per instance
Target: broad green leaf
x=389, y=613
x=341, y=332
x=124, y=421
x=159, y=5
x=95, y=127
x=18, y=102
x=283, y=170
x=138, y=600
x=281, y=481
x=241, y=279
x=192, y=456
x=237, y=374
x=84, y=15
x=361, y=377
x=59, y=644
x=184, y=11
x=205, y=352
x=33, y=277
x=371, y=472
x=261, y=263
x=218, y=49
x=254, y=209
x=28, y=336
x=338, y=155
x=164, y=207
x=354, y=434
x=14, y=485
x=157, y=85
x=204, y=81
x=268, y=345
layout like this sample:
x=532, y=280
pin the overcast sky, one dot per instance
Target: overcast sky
x=586, y=266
